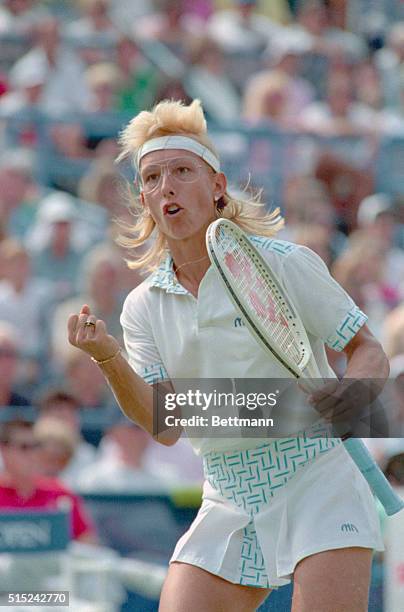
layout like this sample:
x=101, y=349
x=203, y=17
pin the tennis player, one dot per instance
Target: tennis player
x=273, y=509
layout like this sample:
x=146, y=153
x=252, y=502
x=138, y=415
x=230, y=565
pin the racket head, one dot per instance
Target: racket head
x=258, y=295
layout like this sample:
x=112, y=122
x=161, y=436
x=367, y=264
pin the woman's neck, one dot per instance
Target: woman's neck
x=191, y=261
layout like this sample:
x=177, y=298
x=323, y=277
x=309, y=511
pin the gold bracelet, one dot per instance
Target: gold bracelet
x=106, y=360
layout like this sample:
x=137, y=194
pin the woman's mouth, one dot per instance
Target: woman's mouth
x=171, y=209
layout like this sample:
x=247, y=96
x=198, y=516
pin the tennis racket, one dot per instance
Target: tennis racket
x=273, y=320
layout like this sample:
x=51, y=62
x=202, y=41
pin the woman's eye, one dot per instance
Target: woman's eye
x=150, y=178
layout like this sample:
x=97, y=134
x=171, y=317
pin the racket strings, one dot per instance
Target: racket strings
x=260, y=294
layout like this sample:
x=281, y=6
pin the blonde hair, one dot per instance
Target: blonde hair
x=167, y=118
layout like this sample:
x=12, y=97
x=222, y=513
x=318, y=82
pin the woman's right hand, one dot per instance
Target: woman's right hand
x=92, y=339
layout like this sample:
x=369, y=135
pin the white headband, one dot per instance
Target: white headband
x=178, y=142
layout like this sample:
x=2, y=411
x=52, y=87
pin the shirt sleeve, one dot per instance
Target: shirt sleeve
x=325, y=308
x=140, y=345
x=80, y=519
x=81, y=522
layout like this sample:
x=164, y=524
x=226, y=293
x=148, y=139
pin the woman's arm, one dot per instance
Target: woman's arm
x=364, y=379
x=133, y=394
x=366, y=358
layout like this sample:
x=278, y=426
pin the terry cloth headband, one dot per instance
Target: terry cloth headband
x=178, y=142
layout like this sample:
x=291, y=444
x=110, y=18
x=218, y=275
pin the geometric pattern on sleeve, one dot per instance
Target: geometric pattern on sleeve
x=347, y=329
x=154, y=373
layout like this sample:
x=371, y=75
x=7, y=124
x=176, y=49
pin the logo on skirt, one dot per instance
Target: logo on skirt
x=349, y=528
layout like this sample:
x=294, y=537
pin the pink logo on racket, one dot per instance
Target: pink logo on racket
x=268, y=310
x=238, y=267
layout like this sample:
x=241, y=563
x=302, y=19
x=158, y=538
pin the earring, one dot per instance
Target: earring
x=220, y=204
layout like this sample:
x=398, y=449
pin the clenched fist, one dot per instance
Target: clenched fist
x=90, y=334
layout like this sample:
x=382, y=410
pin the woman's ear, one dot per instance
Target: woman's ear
x=220, y=186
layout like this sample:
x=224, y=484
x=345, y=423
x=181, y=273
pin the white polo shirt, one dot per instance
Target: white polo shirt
x=169, y=334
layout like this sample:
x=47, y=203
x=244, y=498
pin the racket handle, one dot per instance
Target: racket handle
x=377, y=481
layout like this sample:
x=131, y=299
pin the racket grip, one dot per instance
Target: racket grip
x=377, y=481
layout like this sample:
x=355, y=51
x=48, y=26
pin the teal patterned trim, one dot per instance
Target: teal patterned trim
x=347, y=329
x=250, y=478
x=164, y=278
x=252, y=564
x=271, y=244
x=154, y=373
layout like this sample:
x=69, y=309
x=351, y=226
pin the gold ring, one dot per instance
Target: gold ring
x=89, y=324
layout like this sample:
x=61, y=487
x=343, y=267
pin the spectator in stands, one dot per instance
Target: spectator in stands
x=57, y=259
x=100, y=281
x=390, y=62
x=104, y=81
x=393, y=332
x=57, y=446
x=123, y=470
x=68, y=138
x=266, y=101
x=285, y=54
x=19, y=193
x=102, y=185
x=313, y=24
x=125, y=13
x=339, y=114
x=90, y=223
x=9, y=365
x=369, y=91
x=207, y=80
x=22, y=488
x=170, y=25
x=306, y=204
x=377, y=216
x=201, y=8
x=242, y=28
x=140, y=78
x=361, y=272
x=348, y=180
x=24, y=299
x=277, y=10
x=26, y=89
x=65, y=89
x=390, y=451
x=106, y=147
x=316, y=238
x=57, y=404
x=83, y=378
x=172, y=89
x=178, y=463
x=18, y=16
x=368, y=86
x=95, y=19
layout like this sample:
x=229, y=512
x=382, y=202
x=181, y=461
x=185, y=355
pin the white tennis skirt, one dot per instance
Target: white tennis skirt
x=265, y=509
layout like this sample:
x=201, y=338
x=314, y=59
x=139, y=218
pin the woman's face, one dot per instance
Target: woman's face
x=179, y=190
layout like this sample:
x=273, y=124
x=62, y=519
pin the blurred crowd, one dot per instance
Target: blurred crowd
x=310, y=72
